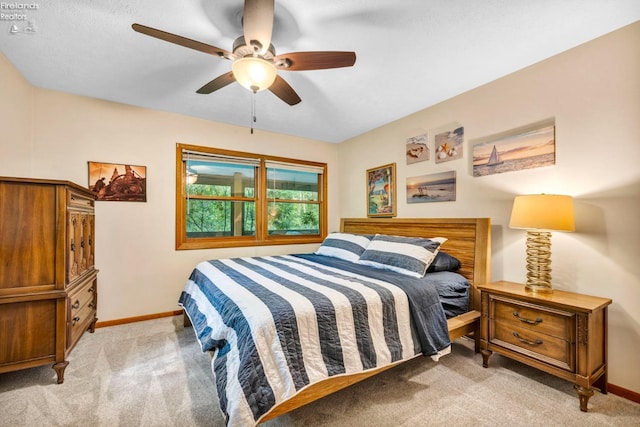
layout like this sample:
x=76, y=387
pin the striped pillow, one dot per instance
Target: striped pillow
x=410, y=256
x=344, y=246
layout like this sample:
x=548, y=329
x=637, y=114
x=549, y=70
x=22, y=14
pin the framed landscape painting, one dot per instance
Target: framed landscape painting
x=118, y=182
x=381, y=191
x=527, y=147
x=435, y=187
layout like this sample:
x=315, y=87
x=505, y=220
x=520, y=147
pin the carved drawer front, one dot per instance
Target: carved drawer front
x=80, y=202
x=540, y=319
x=80, y=321
x=547, y=348
x=82, y=311
x=86, y=295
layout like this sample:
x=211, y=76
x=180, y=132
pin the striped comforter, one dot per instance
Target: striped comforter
x=278, y=324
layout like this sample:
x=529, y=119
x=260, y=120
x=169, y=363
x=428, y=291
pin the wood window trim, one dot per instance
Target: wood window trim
x=261, y=237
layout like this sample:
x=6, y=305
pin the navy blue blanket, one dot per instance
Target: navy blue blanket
x=278, y=324
x=427, y=313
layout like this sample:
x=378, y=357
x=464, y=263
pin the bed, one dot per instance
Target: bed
x=284, y=331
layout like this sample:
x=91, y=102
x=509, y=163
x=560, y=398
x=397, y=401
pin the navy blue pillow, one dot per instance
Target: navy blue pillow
x=444, y=262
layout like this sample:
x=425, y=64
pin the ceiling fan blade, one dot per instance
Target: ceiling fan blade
x=300, y=61
x=217, y=83
x=258, y=24
x=282, y=90
x=183, y=41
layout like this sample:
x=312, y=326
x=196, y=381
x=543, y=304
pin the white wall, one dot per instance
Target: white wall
x=593, y=92
x=55, y=134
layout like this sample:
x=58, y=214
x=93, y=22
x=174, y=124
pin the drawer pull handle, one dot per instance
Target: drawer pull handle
x=536, y=342
x=529, y=321
x=75, y=320
x=91, y=289
x=76, y=305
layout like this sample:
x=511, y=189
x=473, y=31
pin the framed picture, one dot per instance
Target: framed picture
x=118, y=182
x=527, y=147
x=435, y=187
x=381, y=191
x=417, y=148
x=449, y=144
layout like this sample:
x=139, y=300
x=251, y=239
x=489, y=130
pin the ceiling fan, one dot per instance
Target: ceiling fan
x=255, y=62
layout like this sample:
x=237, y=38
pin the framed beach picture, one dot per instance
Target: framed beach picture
x=435, y=187
x=417, y=149
x=531, y=146
x=381, y=191
x=449, y=144
x=118, y=182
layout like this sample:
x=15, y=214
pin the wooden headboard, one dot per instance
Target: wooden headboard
x=468, y=239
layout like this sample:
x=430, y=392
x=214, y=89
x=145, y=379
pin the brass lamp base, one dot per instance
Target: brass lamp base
x=530, y=287
x=538, y=262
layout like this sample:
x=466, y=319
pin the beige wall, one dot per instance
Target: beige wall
x=54, y=134
x=593, y=92
x=16, y=120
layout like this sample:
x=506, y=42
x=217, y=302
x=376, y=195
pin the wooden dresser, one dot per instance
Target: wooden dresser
x=48, y=281
x=562, y=333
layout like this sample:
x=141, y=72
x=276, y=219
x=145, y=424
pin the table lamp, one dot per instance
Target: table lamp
x=540, y=214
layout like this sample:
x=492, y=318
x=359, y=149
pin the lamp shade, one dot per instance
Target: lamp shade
x=543, y=212
x=254, y=73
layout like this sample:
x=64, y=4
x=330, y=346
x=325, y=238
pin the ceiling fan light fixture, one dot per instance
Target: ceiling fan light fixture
x=254, y=73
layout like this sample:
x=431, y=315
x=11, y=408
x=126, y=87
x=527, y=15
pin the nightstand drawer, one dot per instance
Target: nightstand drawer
x=547, y=348
x=542, y=320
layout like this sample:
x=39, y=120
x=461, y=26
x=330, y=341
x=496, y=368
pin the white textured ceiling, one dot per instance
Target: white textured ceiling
x=411, y=54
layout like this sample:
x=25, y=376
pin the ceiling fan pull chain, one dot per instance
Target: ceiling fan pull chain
x=253, y=110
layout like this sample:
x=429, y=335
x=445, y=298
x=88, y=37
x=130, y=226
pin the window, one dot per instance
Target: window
x=228, y=198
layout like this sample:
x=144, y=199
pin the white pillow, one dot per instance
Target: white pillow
x=344, y=246
x=410, y=256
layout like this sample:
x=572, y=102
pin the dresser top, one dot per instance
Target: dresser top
x=46, y=182
x=557, y=298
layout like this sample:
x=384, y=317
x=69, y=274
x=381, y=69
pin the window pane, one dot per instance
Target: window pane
x=213, y=218
x=293, y=218
x=224, y=196
x=220, y=179
x=291, y=185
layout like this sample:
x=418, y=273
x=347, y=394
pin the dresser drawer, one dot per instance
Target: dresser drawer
x=547, y=348
x=80, y=322
x=542, y=320
x=83, y=296
x=80, y=201
x=81, y=310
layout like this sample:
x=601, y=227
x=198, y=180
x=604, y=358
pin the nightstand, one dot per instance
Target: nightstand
x=561, y=333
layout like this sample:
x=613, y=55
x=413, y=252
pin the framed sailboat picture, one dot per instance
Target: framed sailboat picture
x=531, y=146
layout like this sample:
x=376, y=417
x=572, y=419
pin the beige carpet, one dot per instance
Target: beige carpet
x=153, y=374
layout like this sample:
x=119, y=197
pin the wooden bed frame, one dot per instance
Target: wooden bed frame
x=468, y=239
